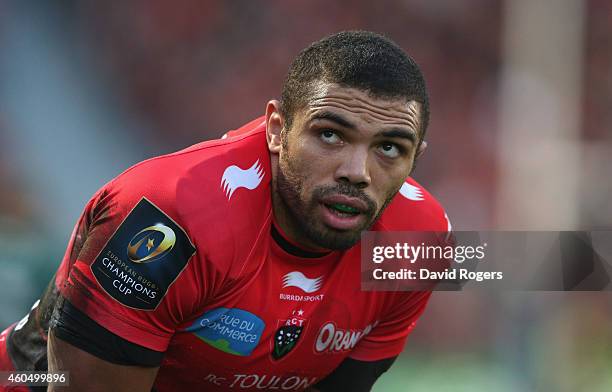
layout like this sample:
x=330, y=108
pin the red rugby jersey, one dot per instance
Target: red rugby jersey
x=178, y=254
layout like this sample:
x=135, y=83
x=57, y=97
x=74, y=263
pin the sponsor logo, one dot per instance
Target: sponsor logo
x=299, y=280
x=137, y=269
x=411, y=192
x=151, y=243
x=301, y=298
x=288, y=334
x=234, y=331
x=235, y=177
x=332, y=339
x=262, y=381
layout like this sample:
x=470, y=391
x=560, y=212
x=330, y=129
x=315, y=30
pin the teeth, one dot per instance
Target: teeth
x=345, y=208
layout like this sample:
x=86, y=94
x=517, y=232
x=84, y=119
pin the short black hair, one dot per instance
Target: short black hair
x=357, y=59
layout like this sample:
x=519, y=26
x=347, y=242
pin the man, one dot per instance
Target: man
x=234, y=264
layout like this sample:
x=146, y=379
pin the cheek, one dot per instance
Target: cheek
x=297, y=172
x=387, y=182
x=315, y=166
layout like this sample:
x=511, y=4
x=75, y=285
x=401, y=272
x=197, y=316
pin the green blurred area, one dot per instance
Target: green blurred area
x=27, y=262
x=448, y=372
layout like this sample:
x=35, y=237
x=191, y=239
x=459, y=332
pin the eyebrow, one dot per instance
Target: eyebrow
x=340, y=120
x=333, y=117
x=401, y=133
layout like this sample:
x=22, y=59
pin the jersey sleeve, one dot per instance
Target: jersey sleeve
x=355, y=376
x=129, y=265
x=388, y=337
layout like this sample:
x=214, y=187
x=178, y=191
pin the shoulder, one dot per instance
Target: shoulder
x=204, y=174
x=414, y=209
x=216, y=191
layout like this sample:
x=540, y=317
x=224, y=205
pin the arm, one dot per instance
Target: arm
x=353, y=375
x=97, y=359
x=97, y=333
x=90, y=373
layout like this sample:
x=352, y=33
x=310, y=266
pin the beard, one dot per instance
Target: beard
x=301, y=212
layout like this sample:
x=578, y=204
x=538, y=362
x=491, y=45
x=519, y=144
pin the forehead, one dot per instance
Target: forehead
x=360, y=106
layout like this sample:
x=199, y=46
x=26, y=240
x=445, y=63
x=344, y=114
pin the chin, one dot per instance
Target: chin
x=333, y=239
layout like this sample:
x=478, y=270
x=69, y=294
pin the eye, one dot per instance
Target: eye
x=390, y=150
x=330, y=137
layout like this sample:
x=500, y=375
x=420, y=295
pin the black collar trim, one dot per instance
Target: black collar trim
x=292, y=249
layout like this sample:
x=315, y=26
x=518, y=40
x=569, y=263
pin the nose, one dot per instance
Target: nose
x=354, y=168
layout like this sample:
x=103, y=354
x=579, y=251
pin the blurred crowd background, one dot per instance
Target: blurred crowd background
x=520, y=139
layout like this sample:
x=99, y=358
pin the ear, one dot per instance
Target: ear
x=274, y=126
x=421, y=149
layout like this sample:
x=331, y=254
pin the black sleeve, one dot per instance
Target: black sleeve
x=355, y=376
x=73, y=326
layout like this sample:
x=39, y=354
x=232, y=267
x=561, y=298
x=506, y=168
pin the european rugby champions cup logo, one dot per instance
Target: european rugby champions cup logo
x=143, y=257
x=151, y=243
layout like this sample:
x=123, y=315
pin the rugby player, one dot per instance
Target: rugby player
x=235, y=264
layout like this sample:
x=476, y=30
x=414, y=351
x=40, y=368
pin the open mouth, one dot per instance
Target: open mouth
x=342, y=216
x=342, y=210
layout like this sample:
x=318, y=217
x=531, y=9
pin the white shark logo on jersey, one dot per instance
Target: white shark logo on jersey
x=235, y=177
x=411, y=192
x=449, y=228
x=299, y=280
